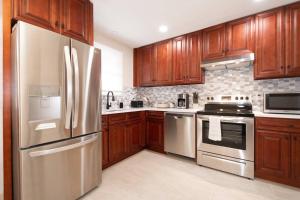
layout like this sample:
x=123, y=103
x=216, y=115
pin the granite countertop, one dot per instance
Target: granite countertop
x=288, y=116
x=192, y=110
x=125, y=110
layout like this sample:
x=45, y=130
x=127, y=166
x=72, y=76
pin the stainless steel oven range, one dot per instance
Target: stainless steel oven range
x=233, y=151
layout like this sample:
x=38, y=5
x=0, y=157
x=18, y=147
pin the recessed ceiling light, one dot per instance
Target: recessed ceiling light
x=163, y=28
x=258, y=0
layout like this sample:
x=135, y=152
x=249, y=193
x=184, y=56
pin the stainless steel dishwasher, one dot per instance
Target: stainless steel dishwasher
x=180, y=134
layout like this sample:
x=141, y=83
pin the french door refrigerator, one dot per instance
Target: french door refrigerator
x=56, y=120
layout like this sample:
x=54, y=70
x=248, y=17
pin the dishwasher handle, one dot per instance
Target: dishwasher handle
x=180, y=115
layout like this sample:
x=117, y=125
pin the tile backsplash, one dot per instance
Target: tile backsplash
x=219, y=82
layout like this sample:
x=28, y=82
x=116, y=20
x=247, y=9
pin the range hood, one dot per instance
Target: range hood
x=245, y=60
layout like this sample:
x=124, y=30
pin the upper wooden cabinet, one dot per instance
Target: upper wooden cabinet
x=270, y=44
x=146, y=65
x=179, y=60
x=214, y=42
x=292, y=40
x=240, y=36
x=46, y=14
x=277, y=43
x=230, y=39
x=163, y=65
x=73, y=18
x=195, y=74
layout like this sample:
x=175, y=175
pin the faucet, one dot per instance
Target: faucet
x=108, y=105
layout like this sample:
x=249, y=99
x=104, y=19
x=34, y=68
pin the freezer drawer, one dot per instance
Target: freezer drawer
x=64, y=170
x=180, y=134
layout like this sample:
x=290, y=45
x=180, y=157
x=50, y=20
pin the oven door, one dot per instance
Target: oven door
x=237, y=137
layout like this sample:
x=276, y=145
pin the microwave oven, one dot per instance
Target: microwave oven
x=285, y=102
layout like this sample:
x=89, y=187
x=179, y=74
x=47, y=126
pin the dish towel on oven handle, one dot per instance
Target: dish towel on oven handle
x=215, y=128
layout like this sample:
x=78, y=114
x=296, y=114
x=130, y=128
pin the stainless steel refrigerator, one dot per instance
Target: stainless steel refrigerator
x=56, y=120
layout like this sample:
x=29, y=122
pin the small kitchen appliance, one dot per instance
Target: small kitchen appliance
x=183, y=101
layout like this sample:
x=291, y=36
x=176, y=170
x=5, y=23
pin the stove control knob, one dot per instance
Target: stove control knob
x=242, y=98
x=207, y=98
x=212, y=98
x=247, y=98
x=236, y=98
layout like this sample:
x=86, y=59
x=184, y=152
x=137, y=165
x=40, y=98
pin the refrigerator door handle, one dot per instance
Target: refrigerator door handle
x=76, y=72
x=69, y=103
x=63, y=148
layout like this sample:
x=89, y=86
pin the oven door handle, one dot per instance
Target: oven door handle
x=228, y=121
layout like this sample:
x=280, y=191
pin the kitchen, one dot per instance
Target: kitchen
x=201, y=105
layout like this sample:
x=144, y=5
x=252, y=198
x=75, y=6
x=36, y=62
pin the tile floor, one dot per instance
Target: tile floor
x=152, y=176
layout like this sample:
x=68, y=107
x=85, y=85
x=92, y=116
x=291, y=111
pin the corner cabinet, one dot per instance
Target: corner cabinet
x=277, y=43
x=277, y=152
x=73, y=18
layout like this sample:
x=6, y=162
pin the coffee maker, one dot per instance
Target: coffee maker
x=183, y=100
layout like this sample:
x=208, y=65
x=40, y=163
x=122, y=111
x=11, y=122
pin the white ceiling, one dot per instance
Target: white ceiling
x=136, y=22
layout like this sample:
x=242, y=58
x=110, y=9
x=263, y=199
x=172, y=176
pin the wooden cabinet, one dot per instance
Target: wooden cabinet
x=146, y=65
x=195, y=75
x=46, y=14
x=277, y=152
x=296, y=158
x=273, y=151
x=155, y=131
x=240, y=36
x=179, y=60
x=117, y=142
x=292, y=40
x=73, y=18
x=134, y=133
x=163, y=66
x=214, y=42
x=231, y=39
x=270, y=44
x=105, y=146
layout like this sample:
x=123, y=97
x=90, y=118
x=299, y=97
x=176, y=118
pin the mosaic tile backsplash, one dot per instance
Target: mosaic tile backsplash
x=219, y=82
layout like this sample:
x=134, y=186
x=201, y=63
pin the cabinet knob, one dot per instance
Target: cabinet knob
x=291, y=126
x=289, y=66
x=295, y=138
x=62, y=26
x=287, y=137
x=56, y=24
x=281, y=67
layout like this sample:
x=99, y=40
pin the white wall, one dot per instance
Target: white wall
x=127, y=57
x=1, y=104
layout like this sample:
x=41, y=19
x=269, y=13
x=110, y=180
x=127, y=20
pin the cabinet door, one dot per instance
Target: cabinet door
x=296, y=158
x=75, y=19
x=117, y=142
x=293, y=40
x=155, y=134
x=146, y=65
x=272, y=154
x=134, y=132
x=105, y=145
x=45, y=14
x=179, y=60
x=269, y=45
x=163, y=67
x=194, y=73
x=214, y=42
x=239, y=36
x=90, y=23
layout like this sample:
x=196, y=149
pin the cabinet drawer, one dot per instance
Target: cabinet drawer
x=117, y=118
x=155, y=114
x=134, y=116
x=278, y=124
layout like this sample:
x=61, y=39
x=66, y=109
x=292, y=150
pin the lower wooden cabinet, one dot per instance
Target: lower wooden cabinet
x=273, y=152
x=296, y=158
x=155, y=131
x=134, y=133
x=277, y=153
x=105, y=146
x=117, y=142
